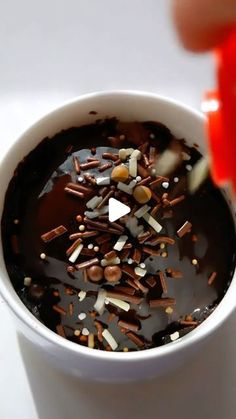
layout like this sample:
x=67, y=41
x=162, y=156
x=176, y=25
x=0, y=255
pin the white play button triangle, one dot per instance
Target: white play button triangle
x=117, y=209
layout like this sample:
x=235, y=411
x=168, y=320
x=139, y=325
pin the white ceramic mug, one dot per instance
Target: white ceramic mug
x=73, y=358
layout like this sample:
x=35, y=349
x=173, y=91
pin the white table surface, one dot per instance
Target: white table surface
x=49, y=52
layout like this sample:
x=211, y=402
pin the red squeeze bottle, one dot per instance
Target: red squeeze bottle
x=220, y=107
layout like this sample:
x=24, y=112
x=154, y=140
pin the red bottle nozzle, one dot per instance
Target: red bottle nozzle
x=220, y=107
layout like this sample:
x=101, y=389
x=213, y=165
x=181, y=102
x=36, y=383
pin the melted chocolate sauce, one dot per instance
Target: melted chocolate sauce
x=36, y=202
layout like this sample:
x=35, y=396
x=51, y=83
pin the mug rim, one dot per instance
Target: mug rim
x=206, y=328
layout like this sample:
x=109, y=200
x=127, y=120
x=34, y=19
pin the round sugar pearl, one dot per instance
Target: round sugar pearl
x=112, y=273
x=165, y=185
x=95, y=273
x=120, y=173
x=142, y=194
x=82, y=316
x=188, y=167
x=85, y=331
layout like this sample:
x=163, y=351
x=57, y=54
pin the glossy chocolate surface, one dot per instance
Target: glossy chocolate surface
x=36, y=202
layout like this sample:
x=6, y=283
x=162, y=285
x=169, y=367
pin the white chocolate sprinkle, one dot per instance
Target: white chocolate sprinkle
x=77, y=332
x=42, y=256
x=133, y=183
x=81, y=227
x=92, y=214
x=176, y=179
x=152, y=222
x=27, y=281
x=94, y=202
x=96, y=249
x=80, y=179
x=103, y=210
x=142, y=210
x=82, y=295
x=110, y=340
x=90, y=246
x=129, y=151
x=122, y=154
x=103, y=180
x=130, y=261
x=199, y=173
x=76, y=253
x=125, y=188
x=174, y=336
x=139, y=271
x=167, y=162
x=118, y=303
x=113, y=261
x=100, y=302
x=82, y=316
x=95, y=213
x=136, y=154
x=132, y=225
x=133, y=167
x=91, y=340
x=120, y=243
x=138, y=178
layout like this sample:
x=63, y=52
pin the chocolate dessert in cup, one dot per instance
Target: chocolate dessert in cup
x=109, y=295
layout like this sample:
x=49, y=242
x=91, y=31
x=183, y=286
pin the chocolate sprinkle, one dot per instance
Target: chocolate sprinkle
x=128, y=325
x=162, y=302
x=74, y=193
x=52, y=234
x=59, y=309
x=76, y=164
x=163, y=282
x=104, y=167
x=60, y=330
x=136, y=339
x=90, y=165
x=212, y=278
x=186, y=228
x=124, y=297
x=87, y=264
